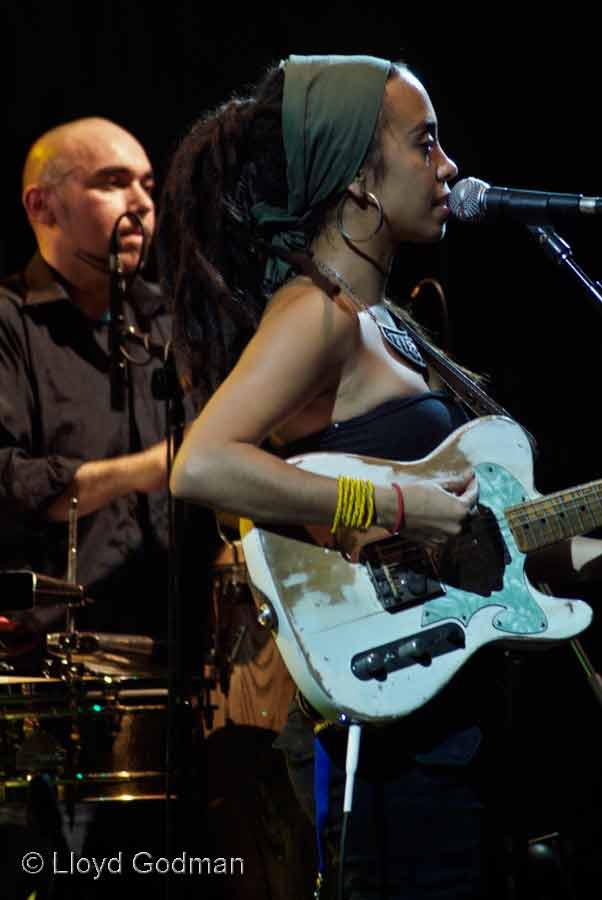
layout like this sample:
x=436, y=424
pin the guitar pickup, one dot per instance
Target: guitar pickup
x=416, y=649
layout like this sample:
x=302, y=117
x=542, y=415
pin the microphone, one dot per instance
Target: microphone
x=475, y=201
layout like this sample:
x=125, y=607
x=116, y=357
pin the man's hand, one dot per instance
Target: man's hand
x=98, y=483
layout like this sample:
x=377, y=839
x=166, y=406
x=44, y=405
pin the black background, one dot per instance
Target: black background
x=518, y=105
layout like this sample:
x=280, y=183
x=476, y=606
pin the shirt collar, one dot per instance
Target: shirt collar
x=43, y=286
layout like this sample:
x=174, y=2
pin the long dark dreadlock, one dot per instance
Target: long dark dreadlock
x=210, y=263
x=211, y=257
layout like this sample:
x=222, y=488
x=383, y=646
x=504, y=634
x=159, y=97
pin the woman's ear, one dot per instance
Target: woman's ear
x=357, y=189
x=37, y=206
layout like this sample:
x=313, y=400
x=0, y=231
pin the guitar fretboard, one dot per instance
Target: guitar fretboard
x=547, y=520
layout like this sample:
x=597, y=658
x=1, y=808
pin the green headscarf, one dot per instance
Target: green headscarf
x=330, y=108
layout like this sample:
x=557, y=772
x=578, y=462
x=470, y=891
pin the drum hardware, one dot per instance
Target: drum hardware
x=40, y=751
x=60, y=669
x=94, y=724
x=210, y=683
x=234, y=546
x=93, y=738
x=266, y=616
x=30, y=590
x=38, y=601
x=230, y=595
x=233, y=655
x=71, y=573
x=223, y=663
x=103, y=653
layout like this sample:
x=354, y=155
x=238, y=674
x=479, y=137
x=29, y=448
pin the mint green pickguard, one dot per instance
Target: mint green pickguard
x=520, y=613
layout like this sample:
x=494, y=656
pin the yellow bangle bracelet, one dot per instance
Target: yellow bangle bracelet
x=355, y=504
x=360, y=507
x=350, y=498
x=370, y=506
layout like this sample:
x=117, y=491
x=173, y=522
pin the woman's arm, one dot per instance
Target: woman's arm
x=298, y=352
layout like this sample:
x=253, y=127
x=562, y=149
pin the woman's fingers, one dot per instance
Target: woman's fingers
x=439, y=507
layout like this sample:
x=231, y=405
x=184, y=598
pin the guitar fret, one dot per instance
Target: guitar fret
x=545, y=521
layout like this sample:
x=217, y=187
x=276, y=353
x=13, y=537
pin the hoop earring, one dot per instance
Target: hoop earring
x=374, y=201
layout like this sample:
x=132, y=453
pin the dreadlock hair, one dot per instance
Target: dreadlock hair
x=211, y=256
x=209, y=261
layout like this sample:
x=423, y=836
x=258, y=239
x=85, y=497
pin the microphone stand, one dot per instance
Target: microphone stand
x=184, y=761
x=559, y=250
x=180, y=726
x=184, y=791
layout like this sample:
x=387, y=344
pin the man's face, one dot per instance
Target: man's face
x=108, y=174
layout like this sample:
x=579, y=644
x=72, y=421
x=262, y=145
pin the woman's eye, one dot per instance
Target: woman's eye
x=427, y=147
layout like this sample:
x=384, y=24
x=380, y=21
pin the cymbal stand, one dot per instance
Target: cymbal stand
x=72, y=559
x=74, y=746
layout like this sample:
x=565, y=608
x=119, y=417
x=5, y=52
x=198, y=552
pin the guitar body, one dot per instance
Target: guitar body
x=376, y=639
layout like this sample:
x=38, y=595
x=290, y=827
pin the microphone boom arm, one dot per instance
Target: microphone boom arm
x=560, y=252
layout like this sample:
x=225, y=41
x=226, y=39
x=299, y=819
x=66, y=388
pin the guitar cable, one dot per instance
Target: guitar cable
x=353, y=749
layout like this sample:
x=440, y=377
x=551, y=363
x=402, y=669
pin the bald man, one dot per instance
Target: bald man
x=60, y=436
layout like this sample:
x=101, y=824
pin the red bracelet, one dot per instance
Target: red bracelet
x=399, y=521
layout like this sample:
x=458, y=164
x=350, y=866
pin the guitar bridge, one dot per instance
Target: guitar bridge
x=396, y=585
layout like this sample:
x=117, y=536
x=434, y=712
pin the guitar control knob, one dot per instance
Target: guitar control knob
x=369, y=665
x=266, y=616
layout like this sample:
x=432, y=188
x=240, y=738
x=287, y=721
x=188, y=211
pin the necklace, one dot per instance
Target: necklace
x=396, y=337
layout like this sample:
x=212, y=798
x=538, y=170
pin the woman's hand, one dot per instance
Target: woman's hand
x=434, y=510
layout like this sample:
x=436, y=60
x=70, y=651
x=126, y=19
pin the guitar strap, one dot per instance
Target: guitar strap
x=460, y=384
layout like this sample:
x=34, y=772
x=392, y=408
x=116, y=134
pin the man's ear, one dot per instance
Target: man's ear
x=36, y=201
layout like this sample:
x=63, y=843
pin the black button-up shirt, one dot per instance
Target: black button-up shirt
x=55, y=414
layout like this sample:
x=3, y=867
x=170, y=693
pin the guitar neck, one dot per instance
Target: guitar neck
x=547, y=520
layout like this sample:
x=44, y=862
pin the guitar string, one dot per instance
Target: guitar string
x=558, y=506
x=585, y=490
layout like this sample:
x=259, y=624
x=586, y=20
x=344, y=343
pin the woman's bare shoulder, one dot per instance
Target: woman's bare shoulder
x=300, y=297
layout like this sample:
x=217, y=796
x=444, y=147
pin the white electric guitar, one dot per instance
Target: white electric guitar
x=376, y=639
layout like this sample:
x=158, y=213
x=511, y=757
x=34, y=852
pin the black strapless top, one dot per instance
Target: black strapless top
x=405, y=429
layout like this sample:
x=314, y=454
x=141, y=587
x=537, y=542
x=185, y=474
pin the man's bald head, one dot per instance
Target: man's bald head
x=79, y=180
x=55, y=153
